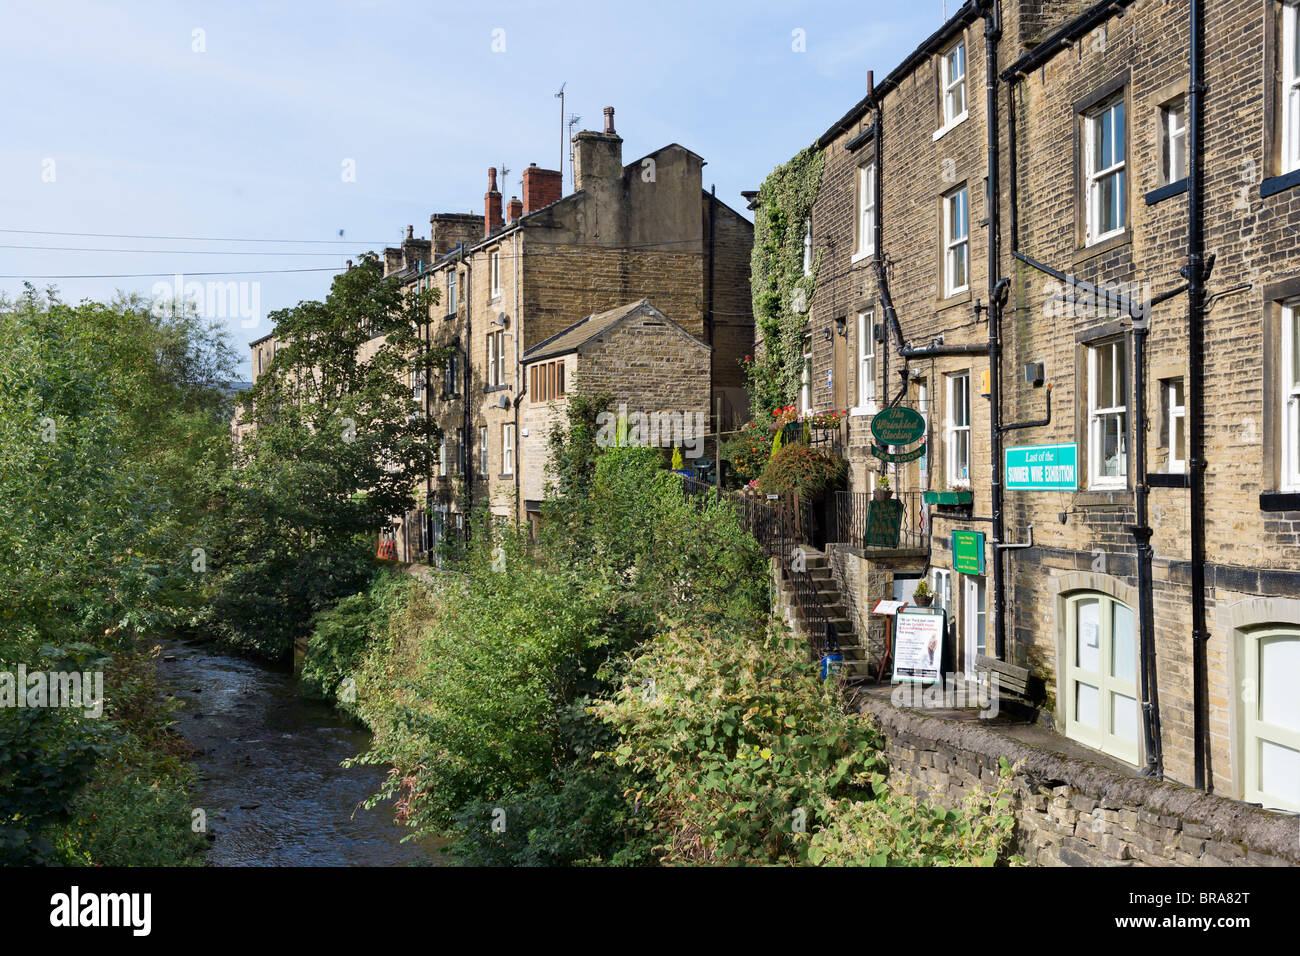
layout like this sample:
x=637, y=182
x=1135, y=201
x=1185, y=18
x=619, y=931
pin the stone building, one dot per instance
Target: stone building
x=650, y=368
x=529, y=269
x=1143, y=391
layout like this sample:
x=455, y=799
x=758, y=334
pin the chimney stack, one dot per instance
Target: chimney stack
x=598, y=157
x=541, y=187
x=515, y=209
x=492, y=205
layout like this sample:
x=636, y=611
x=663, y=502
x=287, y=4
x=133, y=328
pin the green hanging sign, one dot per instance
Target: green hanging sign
x=898, y=425
x=968, y=552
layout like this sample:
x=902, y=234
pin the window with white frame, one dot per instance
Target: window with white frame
x=807, y=248
x=496, y=362
x=483, y=450
x=451, y=291
x=1107, y=192
x=1270, y=724
x=866, y=211
x=508, y=449
x=442, y=457
x=1290, y=87
x=1101, y=697
x=1290, y=394
x=1173, y=141
x=1107, y=415
x=417, y=384
x=866, y=361
x=953, y=79
x=956, y=242
x=957, y=429
x=805, y=377
x=495, y=271
x=1176, y=404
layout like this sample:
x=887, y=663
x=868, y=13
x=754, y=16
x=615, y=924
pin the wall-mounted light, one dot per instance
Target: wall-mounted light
x=842, y=326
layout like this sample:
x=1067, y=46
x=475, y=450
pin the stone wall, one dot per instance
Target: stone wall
x=1075, y=813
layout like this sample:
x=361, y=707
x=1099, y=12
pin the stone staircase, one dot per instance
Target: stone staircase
x=822, y=577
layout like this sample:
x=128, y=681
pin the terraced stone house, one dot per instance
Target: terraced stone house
x=1068, y=235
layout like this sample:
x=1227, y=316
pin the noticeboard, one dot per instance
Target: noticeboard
x=918, y=644
x=884, y=522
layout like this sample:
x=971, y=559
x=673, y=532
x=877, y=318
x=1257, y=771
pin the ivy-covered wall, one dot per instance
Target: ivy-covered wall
x=781, y=291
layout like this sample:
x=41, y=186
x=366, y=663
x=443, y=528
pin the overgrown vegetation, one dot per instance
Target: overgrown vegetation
x=617, y=693
x=112, y=419
x=781, y=291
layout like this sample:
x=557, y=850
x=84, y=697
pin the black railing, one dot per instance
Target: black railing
x=825, y=439
x=906, y=512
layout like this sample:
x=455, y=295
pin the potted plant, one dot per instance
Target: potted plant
x=883, y=490
x=679, y=465
x=923, y=596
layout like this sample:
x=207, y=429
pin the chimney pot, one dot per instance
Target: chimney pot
x=492, y=178
x=516, y=209
x=609, y=119
x=410, y=232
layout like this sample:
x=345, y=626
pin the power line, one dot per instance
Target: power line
x=117, y=235
x=178, y=252
x=155, y=275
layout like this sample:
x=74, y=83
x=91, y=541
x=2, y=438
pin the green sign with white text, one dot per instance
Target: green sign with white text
x=968, y=552
x=1043, y=468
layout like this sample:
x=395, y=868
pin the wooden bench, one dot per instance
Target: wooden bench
x=1010, y=677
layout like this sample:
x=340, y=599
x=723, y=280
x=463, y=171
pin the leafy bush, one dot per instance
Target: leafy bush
x=748, y=450
x=899, y=830
x=737, y=746
x=801, y=469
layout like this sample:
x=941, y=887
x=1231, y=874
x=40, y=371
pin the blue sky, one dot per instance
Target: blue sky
x=116, y=124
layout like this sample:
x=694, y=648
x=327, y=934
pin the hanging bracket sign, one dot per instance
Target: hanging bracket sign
x=898, y=425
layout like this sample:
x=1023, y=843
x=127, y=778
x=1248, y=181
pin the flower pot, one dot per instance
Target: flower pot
x=922, y=601
x=882, y=494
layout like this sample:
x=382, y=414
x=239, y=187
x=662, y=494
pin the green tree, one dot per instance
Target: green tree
x=339, y=447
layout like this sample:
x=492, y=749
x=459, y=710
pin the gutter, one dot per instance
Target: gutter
x=1065, y=37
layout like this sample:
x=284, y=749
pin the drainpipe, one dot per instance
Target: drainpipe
x=521, y=382
x=1141, y=532
x=468, y=349
x=1196, y=274
x=997, y=291
x=878, y=256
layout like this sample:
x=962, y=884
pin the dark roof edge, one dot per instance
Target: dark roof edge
x=1065, y=37
x=959, y=20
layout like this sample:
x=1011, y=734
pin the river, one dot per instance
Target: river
x=270, y=779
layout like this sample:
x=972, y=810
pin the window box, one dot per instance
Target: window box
x=948, y=498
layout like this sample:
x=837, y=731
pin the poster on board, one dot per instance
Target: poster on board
x=918, y=644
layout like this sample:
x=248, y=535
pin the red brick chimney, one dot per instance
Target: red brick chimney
x=492, y=205
x=514, y=209
x=541, y=187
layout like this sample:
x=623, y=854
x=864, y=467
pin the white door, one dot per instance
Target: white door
x=974, y=622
